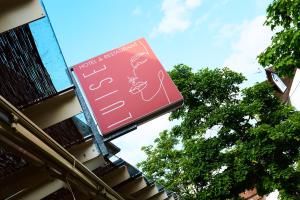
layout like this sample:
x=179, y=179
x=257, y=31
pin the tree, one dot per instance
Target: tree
x=283, y=54
x=226, y=141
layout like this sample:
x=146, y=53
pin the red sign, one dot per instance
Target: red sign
x=127, y=85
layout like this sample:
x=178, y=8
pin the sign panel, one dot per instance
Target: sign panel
x=127, y=86
x=280, y=84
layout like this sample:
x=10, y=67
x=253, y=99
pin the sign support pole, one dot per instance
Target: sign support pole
x=88, y=116
x=86, y=111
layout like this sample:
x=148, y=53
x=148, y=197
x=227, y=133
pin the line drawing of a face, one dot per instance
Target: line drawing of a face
x=137, y=84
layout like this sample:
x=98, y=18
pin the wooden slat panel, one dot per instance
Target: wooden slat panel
x=54, y=110
x=116, y=176
x=159, y=196
x=146, y=193
x=170, y=198
x=133, y=186
x=15, y=13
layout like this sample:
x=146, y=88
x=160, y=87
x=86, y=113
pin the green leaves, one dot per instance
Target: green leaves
x=257, y=141
x=283, y=54
x=225, y=144
x=163, y=163
x=205, y=92
x=283, y=13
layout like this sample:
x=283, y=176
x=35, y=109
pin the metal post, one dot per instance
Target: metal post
x=88, y=116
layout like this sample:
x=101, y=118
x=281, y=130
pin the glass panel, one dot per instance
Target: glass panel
x=50, y=53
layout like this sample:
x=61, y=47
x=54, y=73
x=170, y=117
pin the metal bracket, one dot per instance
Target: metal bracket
x=88, y=116
x=119, y=133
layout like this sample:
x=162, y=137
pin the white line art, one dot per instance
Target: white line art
x=99, y=98
x=127, y=118
x=137, y=85
x=117, y=105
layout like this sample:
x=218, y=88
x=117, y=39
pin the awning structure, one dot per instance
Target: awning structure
x=52, y=170
x=130, y=182
x=51, y=167
x=46, y=150
x=23, y=136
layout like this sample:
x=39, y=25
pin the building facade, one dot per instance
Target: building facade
x=47, y=149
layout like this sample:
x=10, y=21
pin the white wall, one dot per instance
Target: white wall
x=295, y=91
x=273, y=195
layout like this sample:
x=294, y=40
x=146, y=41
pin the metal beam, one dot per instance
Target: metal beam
x=55, y=109
x=23, y=179
x=46, y=188
x=85, y=151
x=36, y=183
x=116, y=176
x=89, y=115
x=133, y=186
x=40, y=191
x=159, y=196
x=170, y=198
x=31, y=178
x=146, y=193
x=56, y=157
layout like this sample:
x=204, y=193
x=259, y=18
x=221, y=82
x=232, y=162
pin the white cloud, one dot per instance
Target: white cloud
x=137, y=11
x=145, y=135
x=175, y=16
x=201, y=19
x=227, y=32
x=253, y=39
x=218, y=5
x=262, y=5
x=193, y=3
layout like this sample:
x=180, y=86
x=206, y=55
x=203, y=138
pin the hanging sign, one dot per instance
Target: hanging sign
x=127, y=86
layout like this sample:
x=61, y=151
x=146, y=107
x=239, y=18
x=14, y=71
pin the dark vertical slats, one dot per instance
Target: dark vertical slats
x=24, y=80
x=23, y=77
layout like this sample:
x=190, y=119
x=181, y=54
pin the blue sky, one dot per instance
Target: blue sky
x=199, y=33
x=194, y=35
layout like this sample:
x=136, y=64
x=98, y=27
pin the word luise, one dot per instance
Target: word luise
x=114, y=107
